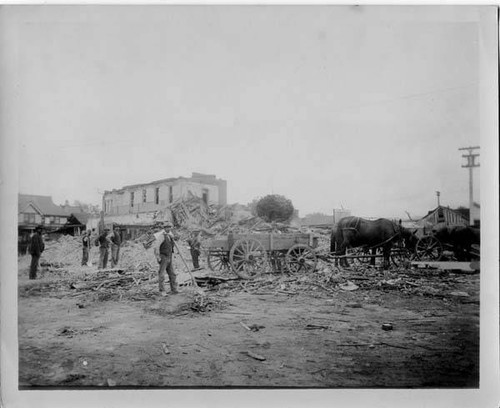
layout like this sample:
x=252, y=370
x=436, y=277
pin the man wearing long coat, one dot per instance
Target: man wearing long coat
x=36, y=248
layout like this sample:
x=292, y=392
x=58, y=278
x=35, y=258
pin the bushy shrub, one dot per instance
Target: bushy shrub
x=275, y=207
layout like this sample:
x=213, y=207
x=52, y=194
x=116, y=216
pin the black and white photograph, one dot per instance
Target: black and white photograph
x=249, y=205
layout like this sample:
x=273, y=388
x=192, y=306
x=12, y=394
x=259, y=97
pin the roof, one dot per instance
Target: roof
x=82, y=218
x=44, y=204
x=210, y=179
x=449, y=216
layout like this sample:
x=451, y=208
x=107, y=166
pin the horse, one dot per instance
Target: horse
x=353, y=232
x=460, y=237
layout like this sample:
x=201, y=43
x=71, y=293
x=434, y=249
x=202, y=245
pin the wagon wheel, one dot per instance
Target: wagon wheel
x=247, y=258
x=400, y=256
x=301, y=257
x=428, y=248
x=218, y=260
x=365, y=255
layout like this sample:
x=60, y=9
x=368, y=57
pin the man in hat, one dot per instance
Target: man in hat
x=164, y=254
x=36, y=248
x=86, y=247
x=195, y=248
x=116, y=241
x=103, y=242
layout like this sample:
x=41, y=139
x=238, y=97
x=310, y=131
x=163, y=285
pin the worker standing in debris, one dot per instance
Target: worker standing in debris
x=116, y=241
x=163, y=250
x=36, y=248
x=194, y=247
x=86, y=247
x=103, y=242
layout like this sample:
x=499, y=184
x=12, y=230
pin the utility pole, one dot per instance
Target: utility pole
x=438, y=193
x=471, y=163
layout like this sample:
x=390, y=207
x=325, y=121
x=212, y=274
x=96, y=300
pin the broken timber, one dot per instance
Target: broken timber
x=448, y=266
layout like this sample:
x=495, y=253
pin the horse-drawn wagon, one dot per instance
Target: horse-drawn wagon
x=461, y=243
x=248, y=255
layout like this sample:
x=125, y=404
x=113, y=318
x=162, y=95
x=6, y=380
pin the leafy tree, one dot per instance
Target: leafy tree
x=275, y=207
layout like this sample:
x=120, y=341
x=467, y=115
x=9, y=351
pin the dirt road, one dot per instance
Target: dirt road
x=288, y=332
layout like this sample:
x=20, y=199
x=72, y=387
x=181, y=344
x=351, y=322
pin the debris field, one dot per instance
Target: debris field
x=331, y=328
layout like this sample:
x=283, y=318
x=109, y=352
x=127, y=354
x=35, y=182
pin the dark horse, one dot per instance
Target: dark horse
x=353, y=232
x=461, y=238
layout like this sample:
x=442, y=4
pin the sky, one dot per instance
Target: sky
x=362, y=108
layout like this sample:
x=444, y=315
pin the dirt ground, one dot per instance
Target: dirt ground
x=278, y=331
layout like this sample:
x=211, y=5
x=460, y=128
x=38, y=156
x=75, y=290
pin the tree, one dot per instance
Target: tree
x=275, y=207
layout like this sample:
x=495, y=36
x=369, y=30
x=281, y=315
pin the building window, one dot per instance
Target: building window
x=29, y=218
x=144, y=195
x=157, y=195
x=170, y=194
x=131, y=198
x=205, y=195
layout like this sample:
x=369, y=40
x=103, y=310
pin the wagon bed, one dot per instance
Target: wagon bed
x=249, y=254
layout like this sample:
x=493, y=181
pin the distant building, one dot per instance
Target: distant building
x=136, y=207
x=34, y=210
x=475, y=214
x=338, y=214
x=443, y=215
x=320, y=219
x=156, y=195
x=76, y=224
x=316, y=219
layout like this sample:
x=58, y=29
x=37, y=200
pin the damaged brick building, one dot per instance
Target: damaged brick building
x=138, y=205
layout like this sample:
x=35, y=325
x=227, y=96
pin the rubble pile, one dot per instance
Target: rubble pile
x=330, y=280
x=194, y=214
x=67, y=250
x=103, y=286
x=65, y=255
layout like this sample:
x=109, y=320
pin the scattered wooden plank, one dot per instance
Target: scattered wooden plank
x=447, y=266
x=286, y=292
x=355, y=345
x=321, y=286
x=316, y=327
x=393, y=345
x=255, y=356
x=245, y=326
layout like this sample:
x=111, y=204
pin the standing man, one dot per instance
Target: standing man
x=163, y=250
x=194, y=247
x=86, y=247
x=36, y=248
x=116, y=241
x=103, y=242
